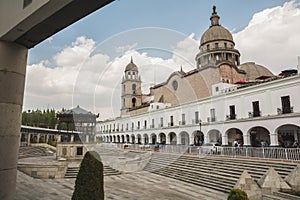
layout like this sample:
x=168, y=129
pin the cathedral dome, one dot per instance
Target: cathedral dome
x=254, y=70
x=131, y=66
x=216, y=33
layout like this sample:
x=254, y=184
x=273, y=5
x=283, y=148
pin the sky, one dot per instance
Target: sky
x=84, y=63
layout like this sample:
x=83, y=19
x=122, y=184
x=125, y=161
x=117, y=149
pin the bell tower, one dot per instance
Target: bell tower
x=131, y=97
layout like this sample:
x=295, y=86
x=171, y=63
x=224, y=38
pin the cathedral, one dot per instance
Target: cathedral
x=219, y=101
x=217, y=62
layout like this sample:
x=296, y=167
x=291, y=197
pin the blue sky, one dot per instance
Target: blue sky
x=84, y=63
x=189, y=16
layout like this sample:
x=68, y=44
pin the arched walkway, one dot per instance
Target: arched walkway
x=153, y=138
x=133, y=139
x=288, y=134
x=235, y=136
x=146, y=139
x=198, y=138
x=139, y=139
x=214, y=136
x=259, y=137
x=184, y=138
x=162, y=138
x=173, y=138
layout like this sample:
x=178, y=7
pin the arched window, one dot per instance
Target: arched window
x=133, y=102
x=134, y=87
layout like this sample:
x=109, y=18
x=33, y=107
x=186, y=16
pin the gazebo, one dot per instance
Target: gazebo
x=79, y=120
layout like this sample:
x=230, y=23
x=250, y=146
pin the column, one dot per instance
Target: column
x=47, y=138
x=58, y=138
x=224, y=139
x=167, y=139
x=274, y=140
x=178, y=138
x=192, y=139
x=87, y=138
x=72, y=138
x=246, y=139
x=13, y=59
x=28, y=139
x=38, y=137
x=295, y=135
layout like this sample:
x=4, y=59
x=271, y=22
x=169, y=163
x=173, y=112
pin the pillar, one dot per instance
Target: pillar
x=296, y=135
x=225, y=139
x=72, y=138
x=13, y=59
x=47, y=138
x=192, y=139
x=58, y=138
x=28, y=139
x=38, y=138
x=274, y=139
x=246, y=138
x=87, y=138
x=168, y=139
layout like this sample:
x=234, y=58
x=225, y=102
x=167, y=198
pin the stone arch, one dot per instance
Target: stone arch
x=259, y=136
x=234, y=136
x=214, y=136
x=122, y=139
x=172, y=138
x=162, y=138
x=118, y=139
x=184, y=138
x=146, y=138
x=139, y=139
x=133, y=139
x=127, y=139
x=288, y=134
x=110, y=138
x=153, y=138
x=114, y=138
x=198, y=137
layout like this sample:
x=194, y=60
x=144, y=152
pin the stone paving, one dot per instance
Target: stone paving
x=131, y=186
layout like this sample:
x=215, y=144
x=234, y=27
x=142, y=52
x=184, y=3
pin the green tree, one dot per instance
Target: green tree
x=89, y=181
x=237, y=194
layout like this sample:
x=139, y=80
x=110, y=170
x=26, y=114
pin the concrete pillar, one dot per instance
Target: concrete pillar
x=167, y=139
x=13, y=59
x=47, y=138
x=178, y=138
x=28, y=139
x=72, y=138
x=58, y=138
x=192, y=139
x=246, y=138
x=38, y=138
x=274, y=139
x=224, y=139
x=87, y=139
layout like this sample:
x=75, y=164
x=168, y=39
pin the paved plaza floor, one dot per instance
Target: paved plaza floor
x=131, y=186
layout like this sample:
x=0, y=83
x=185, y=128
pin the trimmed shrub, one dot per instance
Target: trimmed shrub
x=89, y=181
x=237, y=194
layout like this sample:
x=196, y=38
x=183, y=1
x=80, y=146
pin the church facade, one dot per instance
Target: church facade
x=220, y=101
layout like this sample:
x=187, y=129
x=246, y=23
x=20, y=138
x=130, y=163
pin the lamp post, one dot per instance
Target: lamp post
x=200, y=124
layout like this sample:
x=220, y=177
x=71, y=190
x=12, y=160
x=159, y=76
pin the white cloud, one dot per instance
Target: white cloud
x=271, y=37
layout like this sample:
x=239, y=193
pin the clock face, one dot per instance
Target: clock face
x=175, y=85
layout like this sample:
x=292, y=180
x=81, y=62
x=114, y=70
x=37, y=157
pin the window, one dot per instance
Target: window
x=217, y=89
x=129, y=73
x=286, y=104
x=133, y=73
x=79, y=151
x=133, y=87
x=152, y=125
x=207, y=47
x=183, y=119
x=175, y=85
x=216, y=45
x=213, y=114
x=255, y=106
x=139, y=124
x=161, y=122
x=133, y=102
x=225, y=45
x=232, y=114
x=171, y=121
x=145, y=124
x=196, y=117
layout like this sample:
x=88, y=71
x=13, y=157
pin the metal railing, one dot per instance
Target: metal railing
x=275, y=153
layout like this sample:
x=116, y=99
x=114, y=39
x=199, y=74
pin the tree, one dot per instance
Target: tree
x=89, y=181
x=237, y=194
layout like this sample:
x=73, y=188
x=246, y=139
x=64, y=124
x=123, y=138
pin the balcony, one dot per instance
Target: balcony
x=182, y=123
x=285, y=110
x=254, y=114
x=170, y=124
x=230, y=117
